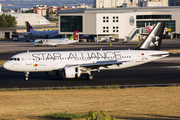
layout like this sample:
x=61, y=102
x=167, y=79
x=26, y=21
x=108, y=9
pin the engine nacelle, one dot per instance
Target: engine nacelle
x=71, y=72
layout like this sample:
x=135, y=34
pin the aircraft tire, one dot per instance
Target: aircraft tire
x=63, y=74
x=26, y=79
x=89, y=77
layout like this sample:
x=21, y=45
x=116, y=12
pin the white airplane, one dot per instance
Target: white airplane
x=72, y=64
x=39, y=34
x=55, y=42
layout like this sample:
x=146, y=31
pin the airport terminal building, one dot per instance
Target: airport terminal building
x=120, y=23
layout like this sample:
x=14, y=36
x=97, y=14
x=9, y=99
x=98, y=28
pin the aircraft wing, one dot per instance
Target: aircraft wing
x=98, y=64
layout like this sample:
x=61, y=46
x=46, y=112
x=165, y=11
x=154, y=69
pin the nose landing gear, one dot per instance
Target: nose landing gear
x=26, y=76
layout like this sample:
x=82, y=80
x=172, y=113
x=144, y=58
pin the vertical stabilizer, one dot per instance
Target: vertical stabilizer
x=154, y=39
x=74, y=36
x=29, y=28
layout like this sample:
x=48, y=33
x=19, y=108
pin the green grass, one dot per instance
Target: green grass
x=101, y=115
x=65, y=115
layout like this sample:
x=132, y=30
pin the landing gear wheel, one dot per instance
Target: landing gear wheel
x=25, y=79
x=89, y=77
x=63, y=74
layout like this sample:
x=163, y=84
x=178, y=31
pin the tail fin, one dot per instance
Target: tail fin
x=154, y=39
x=29, y=28
x=74, y=36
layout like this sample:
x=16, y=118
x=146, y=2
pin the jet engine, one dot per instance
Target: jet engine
x=71, y=72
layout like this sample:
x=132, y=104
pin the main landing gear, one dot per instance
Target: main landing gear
x=26, y=76
x=89, y=76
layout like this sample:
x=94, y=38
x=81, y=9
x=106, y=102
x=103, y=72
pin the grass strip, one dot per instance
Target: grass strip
x=65, y=115
x=83, y=87
x=2, y=62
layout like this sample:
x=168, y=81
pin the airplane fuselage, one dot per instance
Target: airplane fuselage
x=49, y=61
x=43, y=34
x=53, y=42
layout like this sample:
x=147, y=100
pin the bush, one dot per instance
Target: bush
x=100, y=116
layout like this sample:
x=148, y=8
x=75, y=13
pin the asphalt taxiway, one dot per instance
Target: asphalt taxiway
x=165, y=71
x=149, y=74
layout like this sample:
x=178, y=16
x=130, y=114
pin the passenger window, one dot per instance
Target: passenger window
x=18, y=59
x=15, y=59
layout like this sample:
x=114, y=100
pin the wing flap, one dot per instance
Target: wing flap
x=102, y=64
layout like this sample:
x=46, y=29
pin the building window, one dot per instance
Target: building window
x=106, y=19
x=169, y=24
x=71, y=23
x=153, y=17
x=106, y=29
x=115, y=19
x=115, y=29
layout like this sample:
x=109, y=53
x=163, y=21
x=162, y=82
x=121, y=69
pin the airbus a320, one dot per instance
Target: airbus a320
x=71, y=64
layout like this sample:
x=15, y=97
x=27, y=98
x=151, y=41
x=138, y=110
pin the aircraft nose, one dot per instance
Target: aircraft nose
x=6, y=65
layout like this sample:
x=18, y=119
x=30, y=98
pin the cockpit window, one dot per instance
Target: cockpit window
x=15, y=59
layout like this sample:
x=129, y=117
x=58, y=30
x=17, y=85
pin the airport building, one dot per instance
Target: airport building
x=38, y=22
x=0, y=8
x=120, y=23
x=32, y=18
x=174, y=2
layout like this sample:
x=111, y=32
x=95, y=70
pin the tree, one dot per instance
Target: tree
x=7, y=21
x=3, y=22
x=11, y=20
